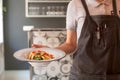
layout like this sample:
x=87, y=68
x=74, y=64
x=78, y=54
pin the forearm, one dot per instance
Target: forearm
x=70, y=44
x=68, y=48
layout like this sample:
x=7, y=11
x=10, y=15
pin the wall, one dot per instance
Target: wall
x=1, y=58
x=15, y=37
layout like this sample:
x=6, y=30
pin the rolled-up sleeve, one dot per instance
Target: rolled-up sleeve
x=71, y=16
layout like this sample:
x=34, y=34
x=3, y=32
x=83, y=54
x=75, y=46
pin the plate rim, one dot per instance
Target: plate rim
x=38, y=61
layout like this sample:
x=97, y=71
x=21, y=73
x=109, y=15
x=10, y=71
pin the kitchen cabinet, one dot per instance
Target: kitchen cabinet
x=55, y=70
x=46, y=8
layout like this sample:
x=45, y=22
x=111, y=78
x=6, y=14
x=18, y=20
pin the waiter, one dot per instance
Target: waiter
x=93, y=32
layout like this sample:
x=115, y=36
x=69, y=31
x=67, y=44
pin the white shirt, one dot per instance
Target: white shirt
x=76, y=13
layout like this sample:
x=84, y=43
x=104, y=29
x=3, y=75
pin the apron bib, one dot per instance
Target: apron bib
x=98, y=50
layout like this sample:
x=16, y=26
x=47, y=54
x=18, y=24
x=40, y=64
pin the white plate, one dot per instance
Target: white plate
x=23, y=54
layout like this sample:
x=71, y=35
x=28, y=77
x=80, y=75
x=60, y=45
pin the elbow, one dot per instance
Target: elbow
x=72, y=47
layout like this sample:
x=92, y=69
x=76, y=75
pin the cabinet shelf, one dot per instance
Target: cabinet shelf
x=36, y=8
x=46, y=16
x=48, y=1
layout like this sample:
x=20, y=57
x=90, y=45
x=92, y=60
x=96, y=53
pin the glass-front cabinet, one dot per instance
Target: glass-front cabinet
x=46, y=8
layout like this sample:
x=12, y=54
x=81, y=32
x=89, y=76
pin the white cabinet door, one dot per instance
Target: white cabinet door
x=1, y=22
x=1, y=39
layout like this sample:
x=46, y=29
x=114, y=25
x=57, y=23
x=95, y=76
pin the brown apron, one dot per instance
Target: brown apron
x=98, y=53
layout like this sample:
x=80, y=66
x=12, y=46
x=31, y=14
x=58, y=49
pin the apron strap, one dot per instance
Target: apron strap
x=85, y=7
x=114, y=7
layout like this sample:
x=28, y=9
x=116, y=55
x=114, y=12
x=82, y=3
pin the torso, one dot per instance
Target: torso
x=97, y=54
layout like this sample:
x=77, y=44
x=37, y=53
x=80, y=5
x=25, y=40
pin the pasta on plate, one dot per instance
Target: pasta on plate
x=40, y=55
